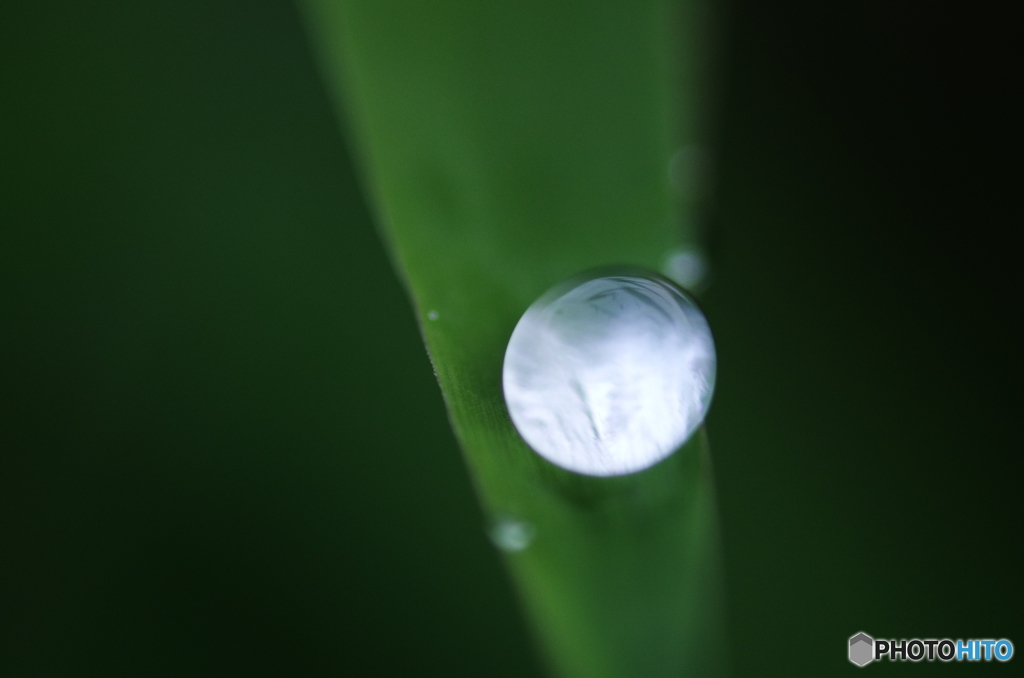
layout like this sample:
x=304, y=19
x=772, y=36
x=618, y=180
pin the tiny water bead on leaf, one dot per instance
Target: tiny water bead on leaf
x=609, y=373
x=687, y=266
x=512, y=535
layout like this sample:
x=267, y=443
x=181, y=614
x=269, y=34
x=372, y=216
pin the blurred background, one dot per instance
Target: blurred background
x=222, y=449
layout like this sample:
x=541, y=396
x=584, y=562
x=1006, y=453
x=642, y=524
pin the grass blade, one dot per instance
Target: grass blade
x=508, y=146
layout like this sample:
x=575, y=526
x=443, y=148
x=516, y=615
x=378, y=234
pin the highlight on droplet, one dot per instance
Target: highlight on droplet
x=610, y=372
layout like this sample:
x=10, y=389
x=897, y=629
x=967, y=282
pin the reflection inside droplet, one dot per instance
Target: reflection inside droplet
x=509, y=534
x=608, y=374
x=432, y=315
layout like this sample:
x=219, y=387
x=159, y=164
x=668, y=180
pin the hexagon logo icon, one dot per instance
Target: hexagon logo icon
x=862, y=648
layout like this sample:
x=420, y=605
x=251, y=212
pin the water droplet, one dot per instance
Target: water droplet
x=432, y=315
x=687, y=266
x=609, y=373
x=690, y=172
x=509, y=534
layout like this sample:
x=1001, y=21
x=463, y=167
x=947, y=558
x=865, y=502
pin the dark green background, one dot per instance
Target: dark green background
x=222, y=451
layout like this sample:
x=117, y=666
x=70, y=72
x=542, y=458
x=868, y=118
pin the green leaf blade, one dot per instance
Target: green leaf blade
x=509, y=146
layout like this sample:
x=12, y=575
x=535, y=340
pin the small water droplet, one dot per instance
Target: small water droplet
x=690, y=170
x=687, y=266
x=432, y=315
x=609, y=373
x=509, y=534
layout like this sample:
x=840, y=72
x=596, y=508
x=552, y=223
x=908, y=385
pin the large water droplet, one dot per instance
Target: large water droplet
x=610, y=373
